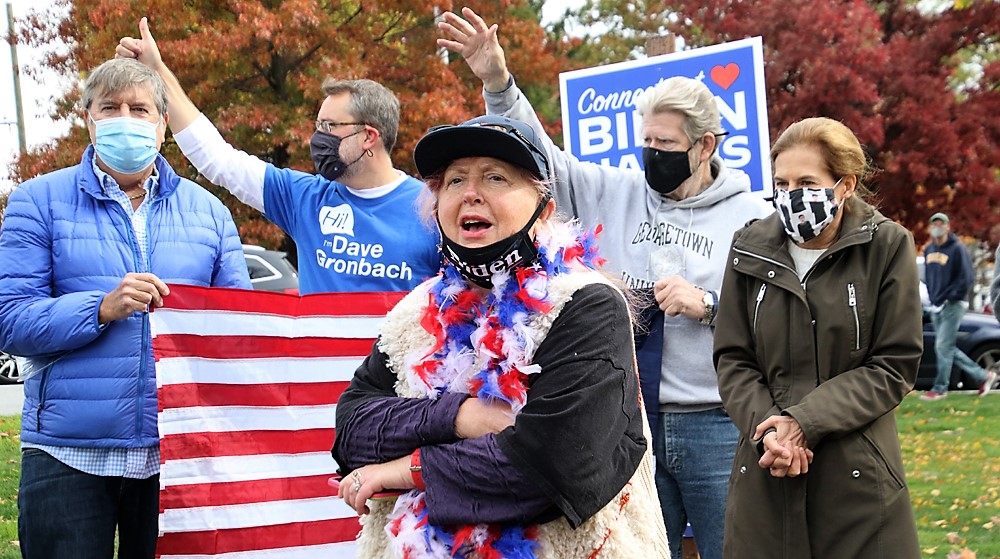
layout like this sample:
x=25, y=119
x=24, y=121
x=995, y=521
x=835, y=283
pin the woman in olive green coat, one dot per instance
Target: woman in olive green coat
x=817, y=340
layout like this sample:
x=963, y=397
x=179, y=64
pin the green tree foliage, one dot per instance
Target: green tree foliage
x=255, y=67
x=920, y=88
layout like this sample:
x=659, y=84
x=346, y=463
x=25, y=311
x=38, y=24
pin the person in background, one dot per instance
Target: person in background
x=948, y=274
x=818, y=339
x=88, y=251
x=666, y=230
x=355, y=225
x=995, y=286
x=515, y=430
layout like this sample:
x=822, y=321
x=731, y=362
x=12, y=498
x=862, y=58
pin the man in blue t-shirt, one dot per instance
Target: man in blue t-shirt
x=949, y=275
x=356, y=225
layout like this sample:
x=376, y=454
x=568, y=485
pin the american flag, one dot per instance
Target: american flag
x=248, y=383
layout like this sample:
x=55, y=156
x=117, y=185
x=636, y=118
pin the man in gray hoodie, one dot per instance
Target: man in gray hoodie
x=666, y=229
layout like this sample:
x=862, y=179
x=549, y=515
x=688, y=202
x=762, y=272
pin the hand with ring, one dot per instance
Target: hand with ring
x=374, y=478
x=349, y=491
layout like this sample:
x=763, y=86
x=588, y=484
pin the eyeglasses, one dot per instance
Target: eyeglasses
x=328, y=126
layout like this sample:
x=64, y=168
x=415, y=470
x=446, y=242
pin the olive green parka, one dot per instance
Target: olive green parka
x=837, y=351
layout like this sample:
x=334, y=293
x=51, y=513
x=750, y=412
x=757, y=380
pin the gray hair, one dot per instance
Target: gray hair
x=121, y=74
x=688, y=97
x=372, y=104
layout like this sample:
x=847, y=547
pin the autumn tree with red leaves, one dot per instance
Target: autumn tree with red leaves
x=921, y=89
x=254, y=67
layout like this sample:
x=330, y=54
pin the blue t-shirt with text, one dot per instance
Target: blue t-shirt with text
x=346, y=243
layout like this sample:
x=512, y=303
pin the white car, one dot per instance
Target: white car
x=8, y=369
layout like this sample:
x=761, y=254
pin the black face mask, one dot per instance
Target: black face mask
x=665, y=170
x=325, y=152
x=479, y=264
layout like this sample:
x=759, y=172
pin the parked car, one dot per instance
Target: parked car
x=270, y=270
x=8, y=369
x=978, y=336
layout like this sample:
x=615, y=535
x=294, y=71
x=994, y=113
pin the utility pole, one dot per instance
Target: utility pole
x=12, y=41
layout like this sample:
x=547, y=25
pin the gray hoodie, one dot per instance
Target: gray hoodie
x=647, y=237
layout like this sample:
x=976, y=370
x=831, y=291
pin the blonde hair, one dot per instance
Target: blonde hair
x=838, y=146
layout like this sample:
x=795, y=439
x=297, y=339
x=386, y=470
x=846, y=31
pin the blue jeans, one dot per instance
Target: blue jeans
x=946, y=330
x=64, y=513
x=694, y=456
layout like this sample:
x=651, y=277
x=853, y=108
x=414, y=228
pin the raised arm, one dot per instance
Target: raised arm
x=237, y=171
x=478, y=45
x=182, y=110
x=580, y=186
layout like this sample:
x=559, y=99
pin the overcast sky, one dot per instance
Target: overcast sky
x=38, y=92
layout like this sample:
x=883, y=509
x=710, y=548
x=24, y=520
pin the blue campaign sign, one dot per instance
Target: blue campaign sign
x=600, y=123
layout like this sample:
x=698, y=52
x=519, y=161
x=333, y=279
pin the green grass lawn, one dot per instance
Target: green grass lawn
x=951, y=449
x=10, y=473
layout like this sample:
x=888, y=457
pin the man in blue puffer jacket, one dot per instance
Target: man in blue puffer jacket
x=85, y=252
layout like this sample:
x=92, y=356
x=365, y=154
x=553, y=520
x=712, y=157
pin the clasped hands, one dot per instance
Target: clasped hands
x=786, y=452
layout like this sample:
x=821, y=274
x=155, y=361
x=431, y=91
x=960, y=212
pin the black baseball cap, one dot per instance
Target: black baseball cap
x=494, y=136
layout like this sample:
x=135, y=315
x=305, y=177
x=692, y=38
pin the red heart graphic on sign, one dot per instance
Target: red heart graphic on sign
x=725, y=75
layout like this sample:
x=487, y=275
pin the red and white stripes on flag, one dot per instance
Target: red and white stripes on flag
x=248, y=383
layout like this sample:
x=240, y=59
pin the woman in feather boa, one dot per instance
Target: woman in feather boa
x=501, y=401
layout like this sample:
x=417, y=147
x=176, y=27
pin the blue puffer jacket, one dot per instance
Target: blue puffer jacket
x=63, y=246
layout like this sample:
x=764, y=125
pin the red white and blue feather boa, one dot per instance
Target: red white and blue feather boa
x=493, y=332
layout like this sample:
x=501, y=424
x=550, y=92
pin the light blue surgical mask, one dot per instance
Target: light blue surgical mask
x=125, y=144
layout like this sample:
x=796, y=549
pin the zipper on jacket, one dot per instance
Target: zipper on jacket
x=41, y=398
x=756, y=307
x=147, y=266
x=140, y=266
x=852, y=301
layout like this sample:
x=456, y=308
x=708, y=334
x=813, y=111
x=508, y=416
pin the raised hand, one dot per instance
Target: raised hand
x=143, y=49
x=478, y=45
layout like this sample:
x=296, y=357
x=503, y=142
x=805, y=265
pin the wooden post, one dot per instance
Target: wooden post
x=661, y=44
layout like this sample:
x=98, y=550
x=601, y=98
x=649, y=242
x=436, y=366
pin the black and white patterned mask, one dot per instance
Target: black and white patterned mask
x=806, y=212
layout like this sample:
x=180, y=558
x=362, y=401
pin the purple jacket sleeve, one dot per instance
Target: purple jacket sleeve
x=465, y=479
x=375, y=426
x=474, y=479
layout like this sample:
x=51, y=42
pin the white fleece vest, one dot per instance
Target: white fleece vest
x=630, y=526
